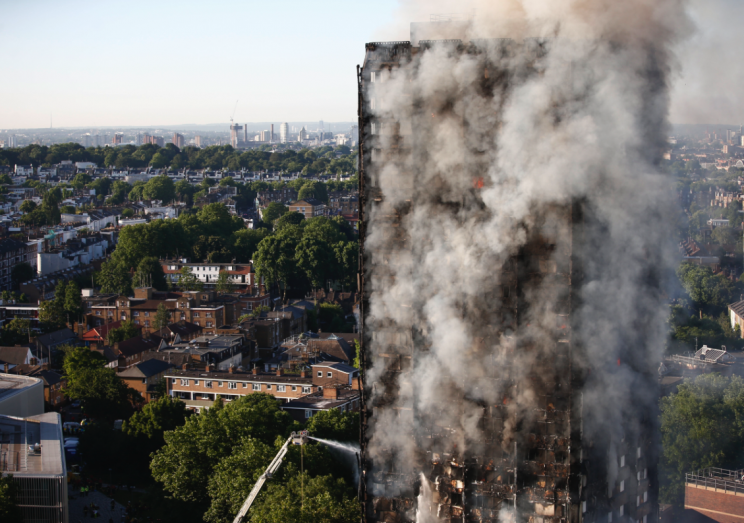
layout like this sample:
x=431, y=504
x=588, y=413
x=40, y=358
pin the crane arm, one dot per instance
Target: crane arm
x=298, y=439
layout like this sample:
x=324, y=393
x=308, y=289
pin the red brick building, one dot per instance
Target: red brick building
x=198, y=308
x=199, y=388
x=716, y=493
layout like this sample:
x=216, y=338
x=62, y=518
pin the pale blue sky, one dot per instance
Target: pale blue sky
x=135, y=62
x=162, y=62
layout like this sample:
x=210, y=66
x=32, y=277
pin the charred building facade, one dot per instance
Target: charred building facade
x=493, y=390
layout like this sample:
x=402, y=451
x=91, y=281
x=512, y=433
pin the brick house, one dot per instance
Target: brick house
x=192, y=307
x=309, y=207
x=283, y=196
x=145, y=376
x=199, y=388
x=13, y=252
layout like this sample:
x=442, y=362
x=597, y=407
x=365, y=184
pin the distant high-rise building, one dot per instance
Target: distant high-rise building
x=283, y=132
x=234, y=136
x=118, y=137
x=302, y=135
x=197, y=141
x=155, y=140
x=178, y=140
x=321, y=126
x=138, y=139
x=266, y=136
x=87, y=140
x=12, y=141
x=99, y=140
x=271, y=137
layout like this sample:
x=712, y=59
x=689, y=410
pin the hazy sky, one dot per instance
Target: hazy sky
x=94, y=63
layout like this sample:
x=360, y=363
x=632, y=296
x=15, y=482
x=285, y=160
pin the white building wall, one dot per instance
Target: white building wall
x=25, y=401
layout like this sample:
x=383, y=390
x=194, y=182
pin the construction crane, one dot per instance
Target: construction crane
x=296, y=438
x=233, y=112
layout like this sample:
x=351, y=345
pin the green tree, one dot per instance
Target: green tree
x=187, y=461
x=188, y=281
x=81, y=180
x=326, y=499
x=21, y=273
x=155, y=419
x=127, y=213
x=275, y=258
x=128, y=330
x=10, y=512
x=162, y=317
x=102, y=392
x=73, y=304
x=224, y=285
x=28, y=206
x=317, y=259
x=702, y=425
x=331, y=317
x=347, y=263
x=246, y=243
x=16, y=332
x=50, y=206
x=119, y=192
x=150, y=274
x=159, y=188
x=706, y=289
x=273, y=211
x=316, y=190
x=114, y=278
x=185, y=191
x=289, y=218
x=334, y=425
x=726, y=236
x=67, y=209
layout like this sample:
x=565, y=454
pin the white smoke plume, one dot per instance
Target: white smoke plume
x=514, y=171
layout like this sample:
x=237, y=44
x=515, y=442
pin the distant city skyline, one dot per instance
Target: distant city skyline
x=96, y=65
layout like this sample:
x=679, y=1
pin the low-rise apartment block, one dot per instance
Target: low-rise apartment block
x=241, y=275
x=309, y=208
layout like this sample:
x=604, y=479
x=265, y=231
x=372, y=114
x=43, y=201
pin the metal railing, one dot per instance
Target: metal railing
x=717, y=478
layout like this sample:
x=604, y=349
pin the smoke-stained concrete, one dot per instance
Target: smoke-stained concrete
x=515, y=237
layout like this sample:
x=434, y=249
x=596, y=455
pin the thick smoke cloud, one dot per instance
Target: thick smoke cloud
x=573, y=118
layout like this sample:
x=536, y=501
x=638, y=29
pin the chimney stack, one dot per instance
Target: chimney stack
x=330, y=393
x=185, y=366
x=255, y=371
x=279, y=371
x=231, y=370
x=7, y=368
x=303, y=374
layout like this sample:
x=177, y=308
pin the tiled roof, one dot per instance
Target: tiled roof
x=56, y=337
x=146, y=369
x=137, y=345
x=101, y=331
x=738, y=308
x=14, y=355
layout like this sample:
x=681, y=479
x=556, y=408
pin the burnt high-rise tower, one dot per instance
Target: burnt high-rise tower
x=511, y=313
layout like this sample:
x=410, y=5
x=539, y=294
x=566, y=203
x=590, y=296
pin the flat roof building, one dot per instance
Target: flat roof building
x=33, y=453
x=21, y=395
